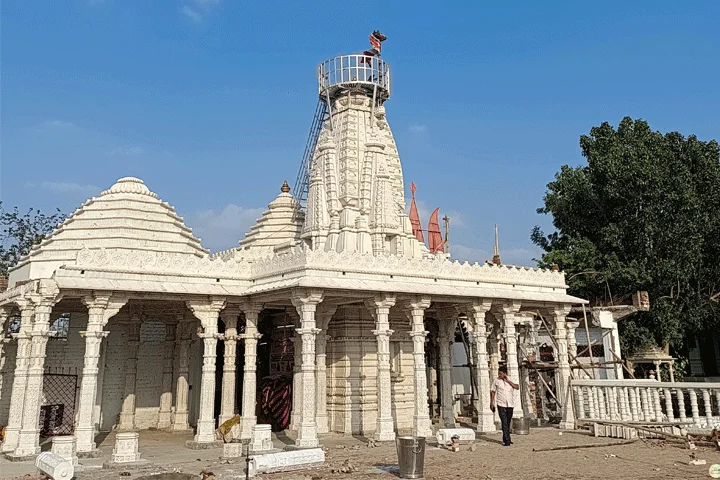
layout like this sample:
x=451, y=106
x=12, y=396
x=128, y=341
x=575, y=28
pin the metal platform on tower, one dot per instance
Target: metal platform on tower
x=364, y=72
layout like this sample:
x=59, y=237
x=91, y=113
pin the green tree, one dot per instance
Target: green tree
x=19, y=232
x=643, y=214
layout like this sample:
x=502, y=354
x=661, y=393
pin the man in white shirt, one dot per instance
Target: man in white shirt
x=502, y=395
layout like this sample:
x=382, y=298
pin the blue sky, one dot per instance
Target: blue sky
x=210, y=101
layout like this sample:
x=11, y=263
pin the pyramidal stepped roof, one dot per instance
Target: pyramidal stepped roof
x=279, y=225
x=126, y=216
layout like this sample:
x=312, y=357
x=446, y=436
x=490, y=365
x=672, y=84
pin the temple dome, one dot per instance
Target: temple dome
x=127, y=216
x=279, y=225
x=130, y=185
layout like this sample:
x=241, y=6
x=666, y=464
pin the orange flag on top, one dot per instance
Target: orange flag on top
x=415, y=217
x=435, y=240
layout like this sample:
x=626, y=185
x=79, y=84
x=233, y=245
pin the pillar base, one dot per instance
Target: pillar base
x=246, y=426
x=384, y=437
x=109, y=465
x=164, y=420
x=195, y=445
x=566, y=426
x=322, y=424
x=94, y=453
x=20, y=458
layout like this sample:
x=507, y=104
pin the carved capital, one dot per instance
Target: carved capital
x=305, y=299
x=572, y=325
x=324, y=314
x=476, y=310
x=558, y=311
x=382, y=301
x=207, y=311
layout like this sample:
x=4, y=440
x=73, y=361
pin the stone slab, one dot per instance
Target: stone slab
x=286, y=461
x=444, y=435
x=96, y=453
x=110, y=465
x=55, y=466
x=193, y=445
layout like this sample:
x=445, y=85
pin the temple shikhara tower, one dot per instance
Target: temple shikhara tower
x=331, y=315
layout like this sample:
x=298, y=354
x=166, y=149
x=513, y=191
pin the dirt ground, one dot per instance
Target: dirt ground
x=489, y=460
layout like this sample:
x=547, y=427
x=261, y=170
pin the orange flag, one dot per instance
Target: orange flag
x=435, y=240
x=415, y=217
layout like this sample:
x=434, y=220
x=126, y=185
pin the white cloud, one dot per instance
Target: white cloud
x=67, y=189
x=220, y=230
x=195, y=9
x=418, y=128
x=191, y=14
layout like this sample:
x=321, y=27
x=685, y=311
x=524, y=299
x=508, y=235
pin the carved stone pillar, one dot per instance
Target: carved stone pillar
x=305, y=302
x=207, y=312
x=127, y=414
x=563, y=375
x=183, y=339
x=494, y=352
x=251, y=337
x=506, y=315
x=415, y=310
x=324, y=315
x=100, y=308
x=447, y=323
x=166, y=397
x=29, y=439
x=22, y=360
x=380, y=309
x=297, y=377
x=476, y=312
x=230, y=337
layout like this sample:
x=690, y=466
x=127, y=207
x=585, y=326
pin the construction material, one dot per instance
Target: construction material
x=126, y=448
x=587, y=445
x=232, y=450
x=261, y=440
x=64, y=447
x=445, y=435
x=55, y=466
x=286, y=461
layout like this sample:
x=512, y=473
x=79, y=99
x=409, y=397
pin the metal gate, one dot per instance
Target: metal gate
x=57, y=413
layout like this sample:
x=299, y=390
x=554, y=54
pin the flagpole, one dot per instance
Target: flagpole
x=446, y=219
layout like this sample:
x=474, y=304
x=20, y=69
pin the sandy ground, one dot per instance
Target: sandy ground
x=490, y=460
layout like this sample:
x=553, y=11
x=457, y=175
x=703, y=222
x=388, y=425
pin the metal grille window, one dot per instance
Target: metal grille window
x=598, y=351
x=60, y=327
x=58, y=410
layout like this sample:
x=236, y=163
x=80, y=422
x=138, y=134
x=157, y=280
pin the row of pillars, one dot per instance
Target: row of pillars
x=309, y=402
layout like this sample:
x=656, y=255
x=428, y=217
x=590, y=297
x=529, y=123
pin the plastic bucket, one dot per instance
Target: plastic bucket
x=411, y=456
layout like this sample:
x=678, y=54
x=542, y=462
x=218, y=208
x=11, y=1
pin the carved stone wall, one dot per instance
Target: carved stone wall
x=352, y=372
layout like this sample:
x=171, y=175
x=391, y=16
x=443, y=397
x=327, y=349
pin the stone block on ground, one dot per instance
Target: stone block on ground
x=465, y=435
x=126, y=448
x=55, y=466
x=232, y=450
x=286, y=461
x=261, y=440
x=65, y=447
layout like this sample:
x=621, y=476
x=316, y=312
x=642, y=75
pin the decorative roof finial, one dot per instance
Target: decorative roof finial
x=285, y=187
x=496, y=252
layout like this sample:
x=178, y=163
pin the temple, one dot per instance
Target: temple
x=121, y=320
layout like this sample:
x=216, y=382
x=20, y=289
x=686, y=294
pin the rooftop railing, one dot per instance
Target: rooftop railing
x=354, y=71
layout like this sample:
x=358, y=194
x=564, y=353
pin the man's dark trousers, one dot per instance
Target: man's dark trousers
x=505, y=418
